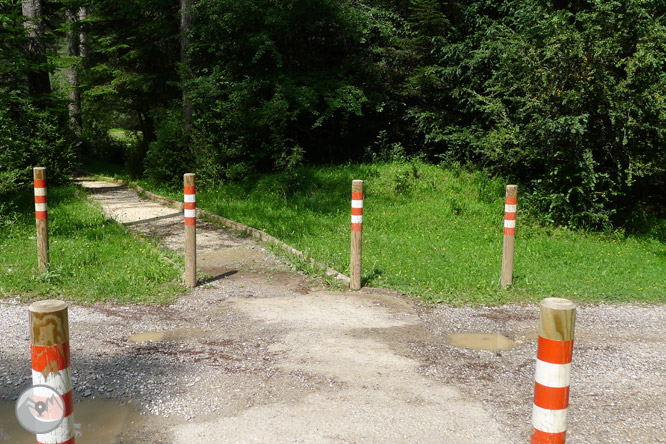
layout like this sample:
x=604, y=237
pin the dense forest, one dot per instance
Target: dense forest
x=565, y=97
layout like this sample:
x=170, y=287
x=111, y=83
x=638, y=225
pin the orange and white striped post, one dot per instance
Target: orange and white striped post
x=190, y=210
x=41, y=218
x=356, y=235
x=553, y=369
x=510, y=204
x=49, y=344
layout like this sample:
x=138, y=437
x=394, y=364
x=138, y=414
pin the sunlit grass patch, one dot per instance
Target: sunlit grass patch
x=436, y=232
x=92, y=258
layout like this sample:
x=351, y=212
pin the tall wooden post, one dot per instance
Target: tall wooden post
x=356, y=235
x=49, y=344
x=553, y=370
x=510, y=203
x=190, y=232
x=41, y=218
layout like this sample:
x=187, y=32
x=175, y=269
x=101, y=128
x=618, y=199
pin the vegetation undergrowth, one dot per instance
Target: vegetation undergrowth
x=92, y=258
x=436, y=232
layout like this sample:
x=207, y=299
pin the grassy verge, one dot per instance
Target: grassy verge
x=436, y=233
x=92, y=258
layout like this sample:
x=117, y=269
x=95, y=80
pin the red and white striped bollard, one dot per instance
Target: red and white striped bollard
x=553, y=370
x=41, y=218
x=356, y=235
x=190, y=210
x=510, y=204
x=49, y=346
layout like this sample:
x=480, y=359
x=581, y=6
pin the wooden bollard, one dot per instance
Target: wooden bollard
x=356, y=235
x=553, y=369
x=510, y=203
x=49, y=344
x=190, y=210
x=41, y=218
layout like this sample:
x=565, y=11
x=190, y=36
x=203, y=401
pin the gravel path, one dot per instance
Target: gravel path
x=261, y=353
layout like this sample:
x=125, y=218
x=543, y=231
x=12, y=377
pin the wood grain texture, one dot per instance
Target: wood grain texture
x=558, y=319
x=49, y=324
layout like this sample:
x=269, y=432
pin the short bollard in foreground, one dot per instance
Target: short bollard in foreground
x=49, y=344
x=553, y=368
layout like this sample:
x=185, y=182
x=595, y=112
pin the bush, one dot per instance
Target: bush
x=275, y=84
x=29, y=138
x=167, y=158
x=568, y=101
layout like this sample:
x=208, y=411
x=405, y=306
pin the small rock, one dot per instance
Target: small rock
x=87, y=393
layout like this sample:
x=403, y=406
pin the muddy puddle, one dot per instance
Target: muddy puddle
x=481, y=341
x=95, y=422
x=170, y=335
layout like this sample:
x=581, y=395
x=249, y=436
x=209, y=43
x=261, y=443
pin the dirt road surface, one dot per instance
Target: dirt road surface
x=262, y=354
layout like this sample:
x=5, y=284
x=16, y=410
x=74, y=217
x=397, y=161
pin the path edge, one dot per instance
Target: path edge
x=254, y=232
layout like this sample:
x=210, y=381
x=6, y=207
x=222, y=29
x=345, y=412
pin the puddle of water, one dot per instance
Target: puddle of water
x=147, y=337
x=170, y=335
x=480, y=341
x=95, y=421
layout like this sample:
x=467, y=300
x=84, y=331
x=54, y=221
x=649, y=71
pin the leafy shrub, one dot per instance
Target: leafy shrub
x=275, y=84
x=167, y=158
x=29, y=138
x=570, y=101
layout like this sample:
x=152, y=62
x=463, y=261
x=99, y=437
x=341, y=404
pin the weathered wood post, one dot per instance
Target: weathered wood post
x=41, y=218
x=190, y=209
x=553, y=369
x=49, y=344
x=510, y=203
x=356, y=235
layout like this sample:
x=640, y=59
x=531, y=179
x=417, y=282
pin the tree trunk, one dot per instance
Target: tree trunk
x=83, y=35
x=185, y=25
x=38, y=77
x=72, y=74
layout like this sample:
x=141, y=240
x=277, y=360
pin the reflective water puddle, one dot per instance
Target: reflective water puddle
x=95, y=421
x=481, y=341
x=169, y=335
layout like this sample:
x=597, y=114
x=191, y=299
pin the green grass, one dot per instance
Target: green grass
x=123, y=135
x=92, y=258
x=436, y=233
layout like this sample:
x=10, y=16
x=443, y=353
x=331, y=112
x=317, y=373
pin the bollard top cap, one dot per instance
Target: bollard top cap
x=558, y=304
x=47, y=306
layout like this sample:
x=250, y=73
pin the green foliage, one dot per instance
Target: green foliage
x=33, y=130
x=569, y=102
x=565, y=98
x=130, y=73
x=278, y=83
x=167, y=160
x=30, y=138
